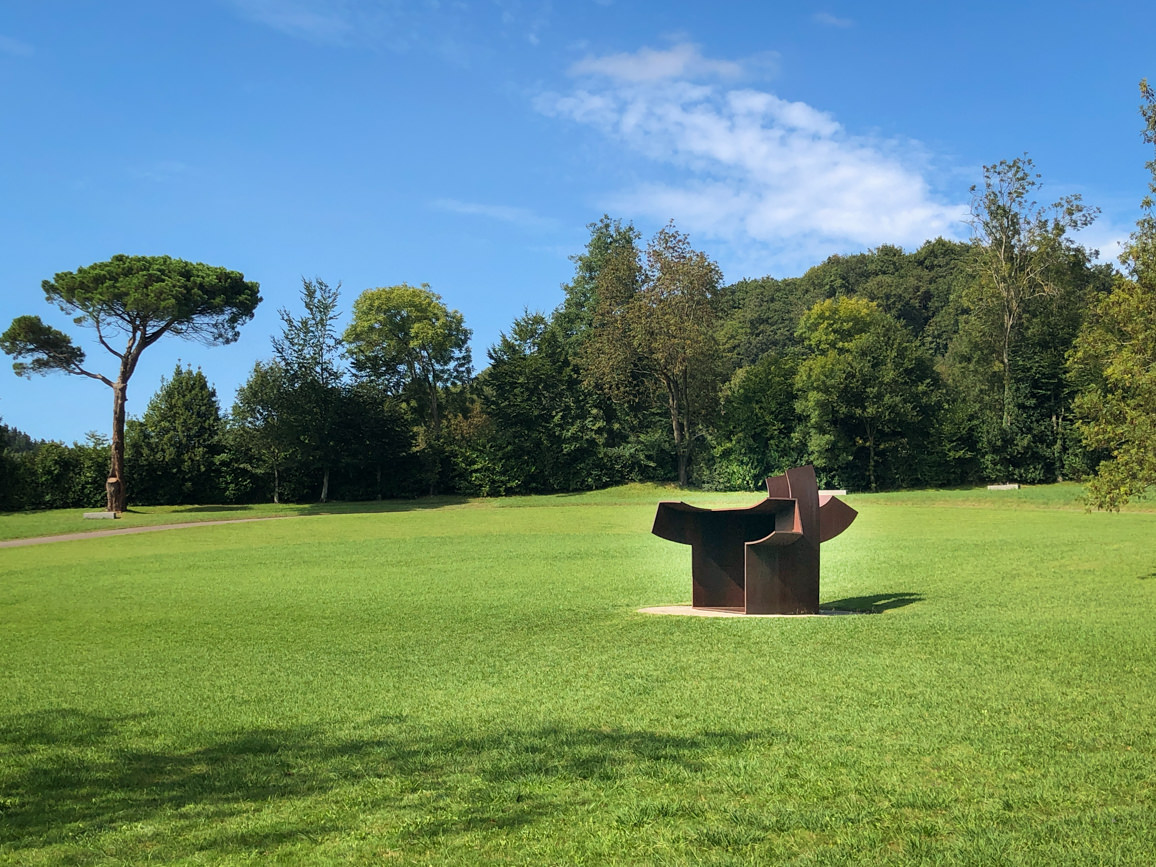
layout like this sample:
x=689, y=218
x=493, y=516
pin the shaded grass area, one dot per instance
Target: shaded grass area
x=473, y=685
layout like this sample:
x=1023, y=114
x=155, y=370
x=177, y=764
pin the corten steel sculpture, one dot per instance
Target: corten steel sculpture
x=763, y=559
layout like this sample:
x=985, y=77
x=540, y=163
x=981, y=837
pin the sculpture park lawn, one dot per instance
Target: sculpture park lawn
x=470, y=682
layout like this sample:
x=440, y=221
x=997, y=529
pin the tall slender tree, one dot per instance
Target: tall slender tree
x=1022, y=249
x=311, y=357
x=138, y=299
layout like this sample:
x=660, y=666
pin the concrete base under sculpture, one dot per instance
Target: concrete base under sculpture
x=763, y=559
x=691, y=611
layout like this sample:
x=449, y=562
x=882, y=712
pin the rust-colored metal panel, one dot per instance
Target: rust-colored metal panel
x=835, y=516
x=761, y=559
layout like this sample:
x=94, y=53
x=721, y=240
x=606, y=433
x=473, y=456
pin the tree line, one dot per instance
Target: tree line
x=1013, y=357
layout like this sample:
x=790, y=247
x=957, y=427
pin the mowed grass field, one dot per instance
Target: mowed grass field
x=471, y=682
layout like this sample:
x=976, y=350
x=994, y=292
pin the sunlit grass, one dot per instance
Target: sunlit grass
x=470, y=682
x=24, y=525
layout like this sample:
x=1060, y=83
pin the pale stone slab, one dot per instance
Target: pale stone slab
x=833, y=493
x=1003, y=487
x=689, y=611
x=101, y=515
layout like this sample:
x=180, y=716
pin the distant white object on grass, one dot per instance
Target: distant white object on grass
x=1003, y=487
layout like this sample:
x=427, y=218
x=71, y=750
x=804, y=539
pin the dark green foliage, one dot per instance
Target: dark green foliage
x=151, y=296
x=49, y=349
x=51, y=475
x=765, y=315
x=56, y=476
x=546, y=431
x=378, y=437
x=259, y=432
x=15, y=445
x=311, y=357
x=757, y=434
x=609, y=240
x=867, y=395
x=177, y=444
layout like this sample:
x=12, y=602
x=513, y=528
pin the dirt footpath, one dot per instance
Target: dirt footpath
x=124, y=531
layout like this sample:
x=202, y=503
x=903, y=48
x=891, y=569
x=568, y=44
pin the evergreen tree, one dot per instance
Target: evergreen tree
x=178, y=442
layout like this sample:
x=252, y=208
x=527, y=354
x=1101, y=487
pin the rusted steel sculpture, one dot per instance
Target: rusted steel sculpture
x=763, y=559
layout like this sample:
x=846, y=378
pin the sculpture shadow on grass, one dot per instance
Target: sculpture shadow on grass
x=69, y=774
x=875, y=604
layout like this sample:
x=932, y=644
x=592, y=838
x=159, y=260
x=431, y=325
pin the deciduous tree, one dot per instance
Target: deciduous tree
x=405, y=337
x=1022, y=252
x=656, y=319
x=1114, y=359
x=866, y=389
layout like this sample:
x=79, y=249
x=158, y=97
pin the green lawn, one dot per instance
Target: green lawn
x=469, y=682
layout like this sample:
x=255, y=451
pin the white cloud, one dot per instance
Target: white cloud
x=1108, y=239
x=502, y=213
x=826, y=18
x=749, y=166
x=15, y=48
x=648, y=65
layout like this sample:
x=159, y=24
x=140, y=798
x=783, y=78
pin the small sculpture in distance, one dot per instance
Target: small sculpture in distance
x=762, y=559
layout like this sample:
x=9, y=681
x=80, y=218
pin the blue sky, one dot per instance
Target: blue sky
x=468, y=144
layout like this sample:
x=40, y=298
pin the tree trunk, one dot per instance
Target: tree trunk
x=1006, y=390
x=117, y=501
x=276, y=486
x=325, y=485
x=679, y=438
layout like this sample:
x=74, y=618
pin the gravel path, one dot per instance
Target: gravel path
x=97, y=534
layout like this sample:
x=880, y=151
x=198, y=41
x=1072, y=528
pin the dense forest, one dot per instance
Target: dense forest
x=1013, y=357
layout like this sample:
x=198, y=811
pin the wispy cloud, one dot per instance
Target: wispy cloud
x=650, y=65
x=160, y=171
x=314, y=20
x=502, y=213
x=829, y=20
x=446, y=29
x=751, y=167
x=15, y=48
